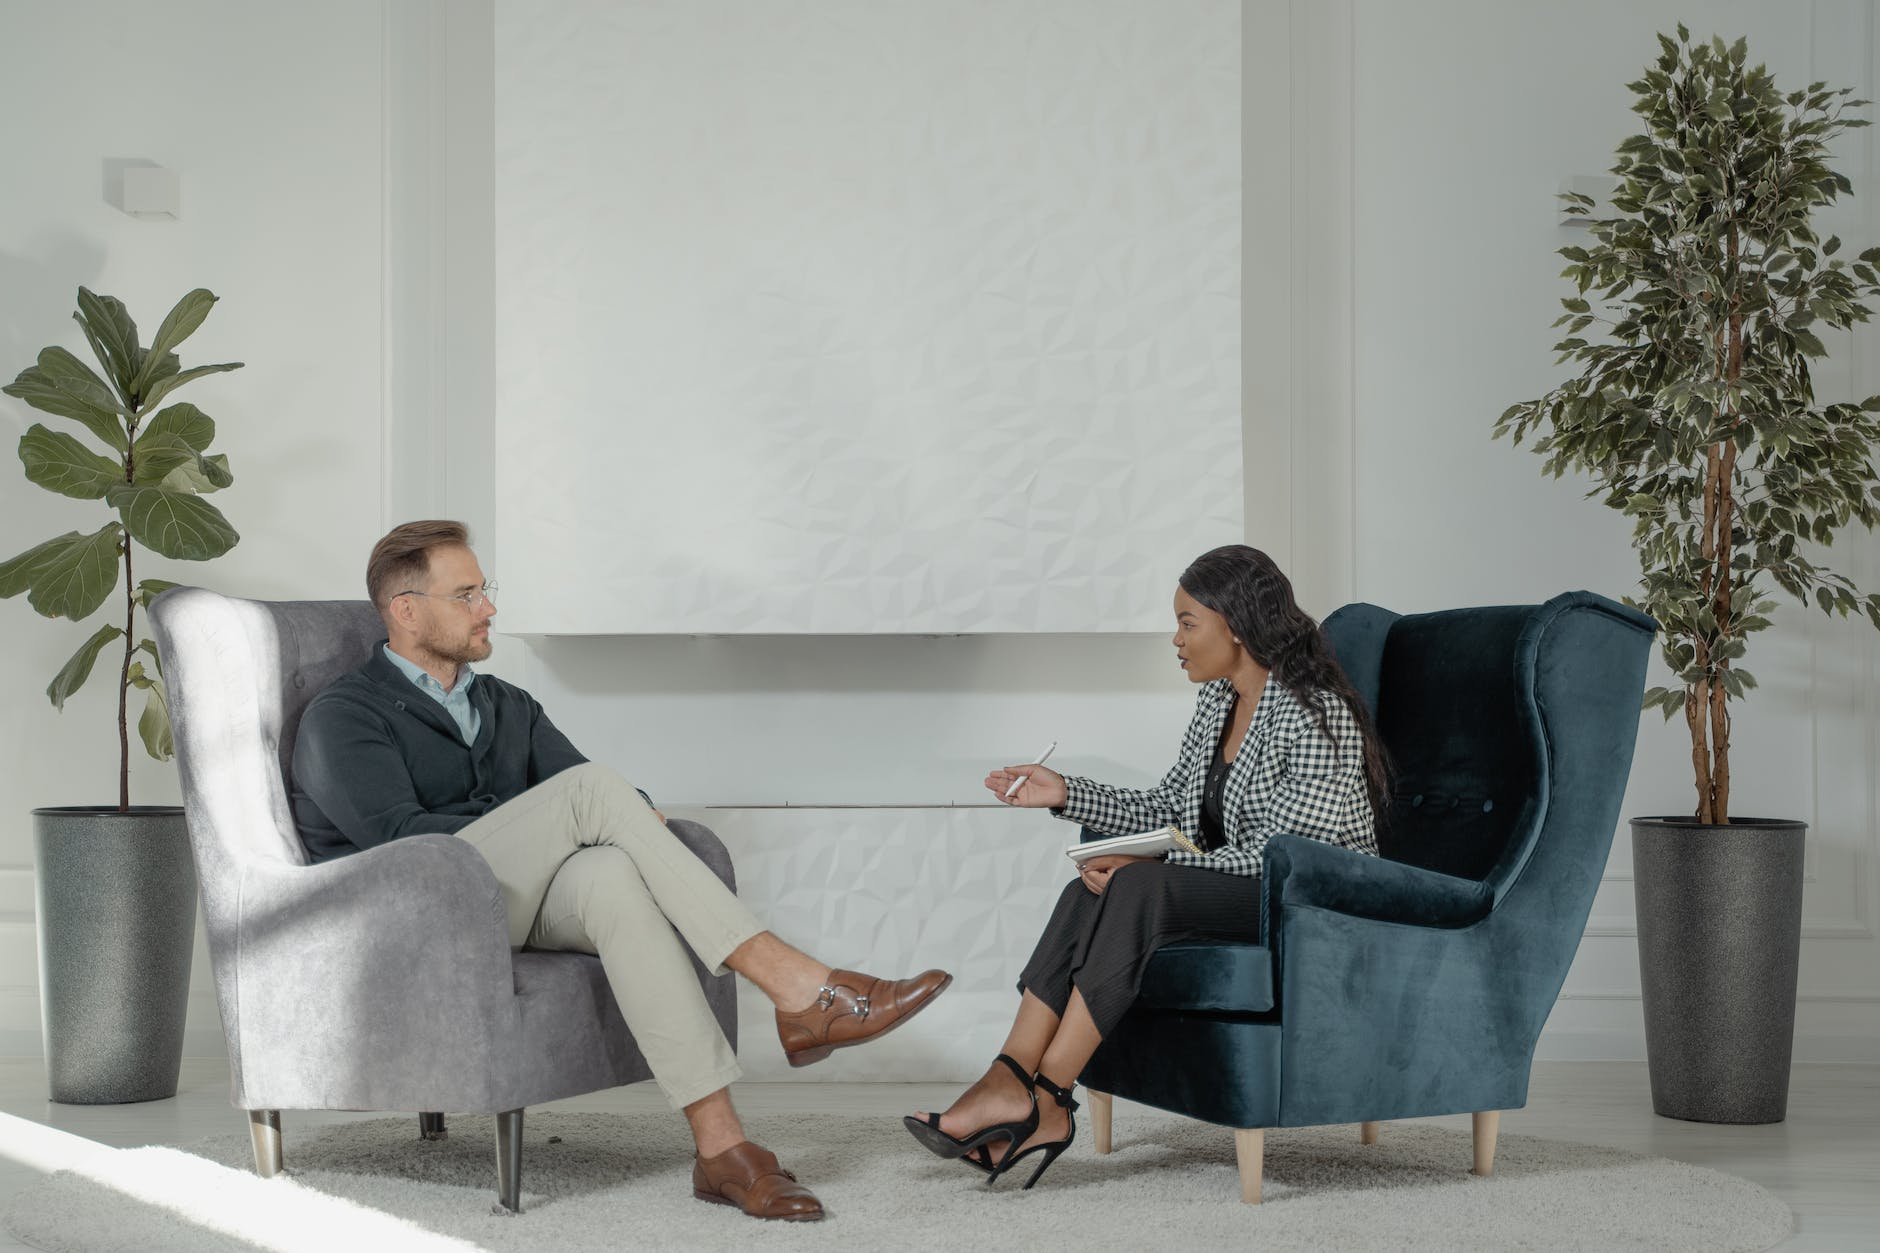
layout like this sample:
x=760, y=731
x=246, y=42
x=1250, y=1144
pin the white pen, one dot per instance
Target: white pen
x=1019, y=782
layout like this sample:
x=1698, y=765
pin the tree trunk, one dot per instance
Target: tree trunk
x=1696, y=709
x=124, y=683
x=1719, y=693
x=1700, y=697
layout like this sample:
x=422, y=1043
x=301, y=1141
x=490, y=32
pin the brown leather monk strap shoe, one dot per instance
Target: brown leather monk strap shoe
x=851, y=1008
x=750, y=1177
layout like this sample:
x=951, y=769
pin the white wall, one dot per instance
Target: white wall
x=272, y=115
x=865, y=316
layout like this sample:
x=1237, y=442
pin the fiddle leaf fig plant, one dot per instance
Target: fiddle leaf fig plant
x=150, y=465
x=1699, y=308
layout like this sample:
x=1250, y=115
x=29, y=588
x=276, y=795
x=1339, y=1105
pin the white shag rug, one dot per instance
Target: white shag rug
x=610, y=1181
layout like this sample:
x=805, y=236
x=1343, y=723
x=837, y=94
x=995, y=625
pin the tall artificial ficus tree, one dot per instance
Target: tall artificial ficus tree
x=153, y=470
x=1694, y=412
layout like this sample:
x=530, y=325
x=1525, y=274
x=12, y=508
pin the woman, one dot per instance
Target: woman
x=1280, y=742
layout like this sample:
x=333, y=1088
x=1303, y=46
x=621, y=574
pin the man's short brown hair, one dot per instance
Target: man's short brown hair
x=403, y=558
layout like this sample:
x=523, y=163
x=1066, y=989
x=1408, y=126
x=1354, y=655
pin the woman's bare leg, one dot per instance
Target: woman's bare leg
x=998, y=1096
x=1071, y=1047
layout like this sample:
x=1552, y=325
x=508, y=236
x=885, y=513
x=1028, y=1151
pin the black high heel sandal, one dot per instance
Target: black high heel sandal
x=938, y=1142
x=1051, y=1150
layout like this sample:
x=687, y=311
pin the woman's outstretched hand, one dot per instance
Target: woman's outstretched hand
x=1042, y=789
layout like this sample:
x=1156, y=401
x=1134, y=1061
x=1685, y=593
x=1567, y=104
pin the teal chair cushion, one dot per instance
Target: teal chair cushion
x=1209, y=978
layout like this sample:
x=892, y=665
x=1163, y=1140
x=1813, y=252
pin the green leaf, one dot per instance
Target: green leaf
x=153, y=727
x=67, y=577
x=154, y=458
x=172, y=524
x=209, y=474
x=60, y=463
x=147, y=591
x=163, y=387
x=63, y=385
x=113, y=336
x=178, y=326
x=186, y=422
x=73, y=674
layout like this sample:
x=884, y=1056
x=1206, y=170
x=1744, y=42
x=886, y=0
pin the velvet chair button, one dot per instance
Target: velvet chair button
x=1416, y=801
x=1487, y=806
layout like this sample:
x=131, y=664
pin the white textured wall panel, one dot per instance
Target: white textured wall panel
x=892, y=892
x=868, y=315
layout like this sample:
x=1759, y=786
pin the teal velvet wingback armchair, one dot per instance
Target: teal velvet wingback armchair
x=1415, y=983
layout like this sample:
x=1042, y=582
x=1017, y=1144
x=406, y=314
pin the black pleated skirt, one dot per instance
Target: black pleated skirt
x=1100, y=945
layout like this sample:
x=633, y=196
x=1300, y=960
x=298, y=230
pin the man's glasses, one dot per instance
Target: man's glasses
x=485, y=594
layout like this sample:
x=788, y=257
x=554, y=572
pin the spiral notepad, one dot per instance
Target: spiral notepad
x=1144, y=844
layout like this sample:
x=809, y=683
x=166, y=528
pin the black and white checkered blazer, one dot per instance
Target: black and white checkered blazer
x=1287, y=778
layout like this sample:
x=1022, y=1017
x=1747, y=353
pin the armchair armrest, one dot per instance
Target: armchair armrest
x=704, y=842
x=1305, y=872
x=413, y=931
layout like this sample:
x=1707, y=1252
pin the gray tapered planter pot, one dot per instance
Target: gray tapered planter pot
x=1719, y=937
x=117, y=927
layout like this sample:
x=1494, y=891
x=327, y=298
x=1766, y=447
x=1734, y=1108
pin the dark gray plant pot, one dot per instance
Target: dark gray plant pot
x=117, y=926
x=1719, y=936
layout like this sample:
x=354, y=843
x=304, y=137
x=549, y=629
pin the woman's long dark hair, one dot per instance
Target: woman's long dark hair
x=1244, y=586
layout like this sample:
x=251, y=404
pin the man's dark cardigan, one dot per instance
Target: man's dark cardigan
x=377, y=759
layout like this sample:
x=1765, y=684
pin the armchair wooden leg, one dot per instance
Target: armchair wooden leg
x=509, y=1160
x=1367, y=1132
x=1487, y=1126
x=264, y=1128
x=1099, y=1103
x=431, y=1127
x=1250, y=1152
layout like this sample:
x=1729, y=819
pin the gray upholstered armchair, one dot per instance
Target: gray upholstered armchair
x=381, y=981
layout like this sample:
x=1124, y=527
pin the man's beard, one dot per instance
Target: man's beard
x=461, y=652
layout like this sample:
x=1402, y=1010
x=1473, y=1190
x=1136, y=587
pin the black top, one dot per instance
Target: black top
x=1213, y=791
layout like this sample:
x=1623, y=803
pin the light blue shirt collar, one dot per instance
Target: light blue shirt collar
x=456, y=702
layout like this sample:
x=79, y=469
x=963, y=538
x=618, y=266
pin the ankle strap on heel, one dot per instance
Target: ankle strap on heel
x=1061, y=1095
x=1012, y=1065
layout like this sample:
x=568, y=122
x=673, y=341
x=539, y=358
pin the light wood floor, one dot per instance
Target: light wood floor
x=1824, y=1161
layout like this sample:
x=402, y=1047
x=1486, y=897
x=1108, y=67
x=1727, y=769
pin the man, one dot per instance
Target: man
x=415, y=742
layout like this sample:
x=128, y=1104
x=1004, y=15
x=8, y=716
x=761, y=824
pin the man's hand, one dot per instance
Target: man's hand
x=1097, y=871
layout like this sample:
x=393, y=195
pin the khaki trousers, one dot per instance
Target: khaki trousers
x=586, y=866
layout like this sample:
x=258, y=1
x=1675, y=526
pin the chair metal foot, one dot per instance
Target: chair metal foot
x=509, y=1160
x=431, y=1127
x=264, y=1127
